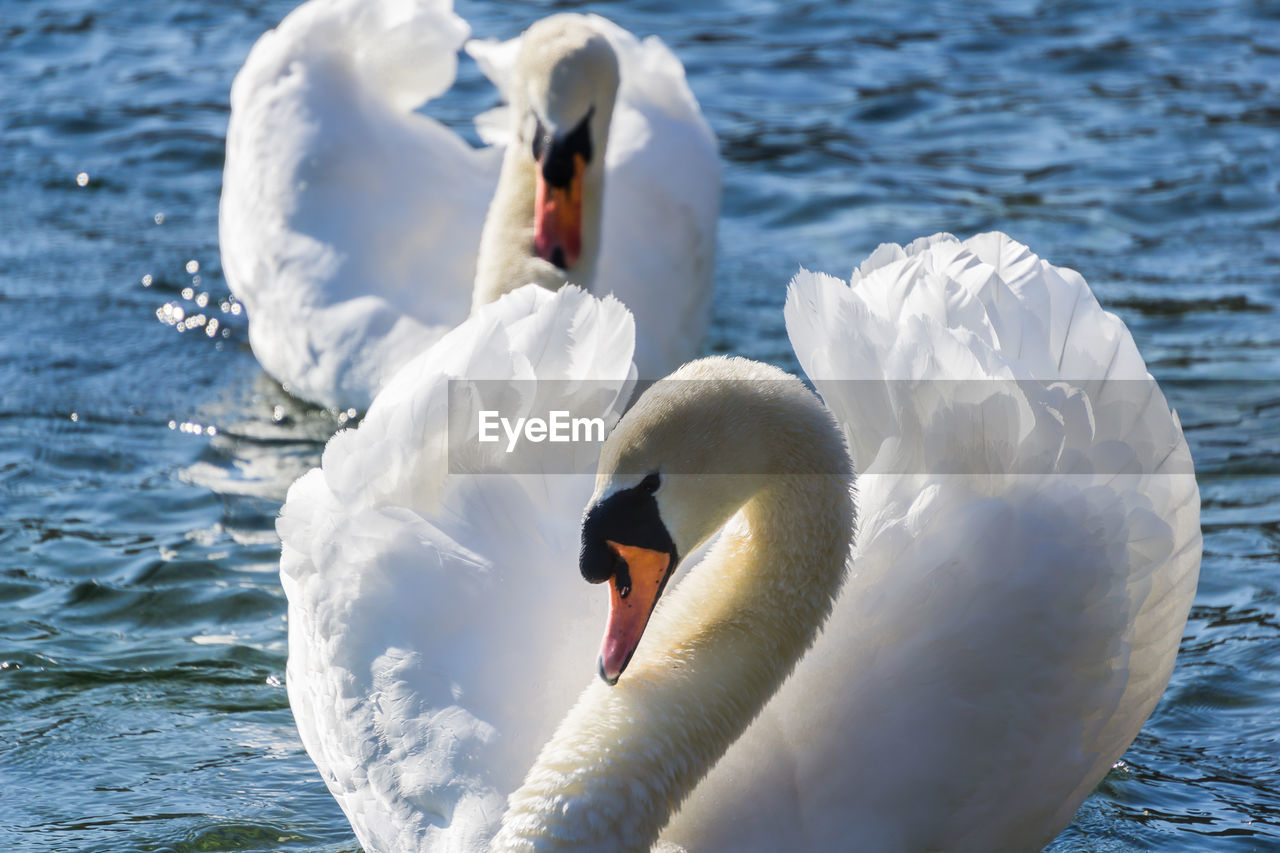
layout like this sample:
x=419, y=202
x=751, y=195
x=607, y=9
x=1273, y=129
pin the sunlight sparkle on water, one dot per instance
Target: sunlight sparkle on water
x=170, y=314
x=193, y=428
x=184, y=319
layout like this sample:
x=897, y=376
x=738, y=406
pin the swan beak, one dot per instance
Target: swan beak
x=557, y=217
x=632, y=596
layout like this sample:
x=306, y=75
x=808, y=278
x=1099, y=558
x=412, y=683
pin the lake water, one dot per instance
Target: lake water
x=142, y=634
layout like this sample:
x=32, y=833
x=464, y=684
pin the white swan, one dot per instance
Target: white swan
x=1026, y=552
x=350, y=225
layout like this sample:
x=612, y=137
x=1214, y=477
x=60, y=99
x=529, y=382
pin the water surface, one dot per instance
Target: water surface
x=142, y=463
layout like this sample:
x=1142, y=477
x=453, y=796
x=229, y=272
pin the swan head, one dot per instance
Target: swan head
x=689, y=454
x=626, y=543
x=566, y=83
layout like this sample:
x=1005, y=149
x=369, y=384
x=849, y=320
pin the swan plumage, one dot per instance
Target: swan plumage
x=415, y=655
x=1028, y=539
x=350, y=224
x=1026, y=551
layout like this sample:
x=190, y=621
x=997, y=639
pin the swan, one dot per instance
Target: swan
x=953, y=666
x=357, y=231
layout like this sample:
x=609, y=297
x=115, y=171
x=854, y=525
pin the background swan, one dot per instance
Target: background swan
x=350, y=224
x=1025, y=558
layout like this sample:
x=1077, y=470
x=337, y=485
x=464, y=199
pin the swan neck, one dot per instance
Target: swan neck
x=718, y=648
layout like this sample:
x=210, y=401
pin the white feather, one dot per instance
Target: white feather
x=421, y=672
x=1027, y=551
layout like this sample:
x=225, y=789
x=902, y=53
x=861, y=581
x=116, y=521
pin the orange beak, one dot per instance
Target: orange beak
x=631, y=602
x=557, y=219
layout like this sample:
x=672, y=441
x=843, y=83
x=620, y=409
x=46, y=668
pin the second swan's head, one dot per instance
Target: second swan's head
x=693, y=450
x=566, y=83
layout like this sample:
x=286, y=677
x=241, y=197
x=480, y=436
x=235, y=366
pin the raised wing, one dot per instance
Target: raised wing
x=438, y=626
x=1028, y=544
x=1027, y=550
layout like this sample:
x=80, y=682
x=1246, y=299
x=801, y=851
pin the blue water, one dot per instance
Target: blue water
x=142, y=635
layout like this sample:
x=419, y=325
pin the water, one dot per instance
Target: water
x=142, y=635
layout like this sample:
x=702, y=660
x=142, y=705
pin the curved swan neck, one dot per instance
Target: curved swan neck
x=721, y=644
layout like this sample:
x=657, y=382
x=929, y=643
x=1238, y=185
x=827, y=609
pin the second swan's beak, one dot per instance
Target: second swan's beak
x=557, y=212
x=633, y=592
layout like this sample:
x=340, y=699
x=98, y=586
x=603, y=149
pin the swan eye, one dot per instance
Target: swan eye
x=622, y=573
x=651, y=483
x=540, y=139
